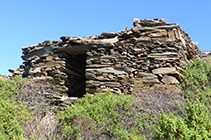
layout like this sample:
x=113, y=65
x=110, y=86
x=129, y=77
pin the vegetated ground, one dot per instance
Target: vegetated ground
x=158, y=112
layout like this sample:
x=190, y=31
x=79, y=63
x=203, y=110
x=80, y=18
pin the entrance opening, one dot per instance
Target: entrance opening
x=76, y=67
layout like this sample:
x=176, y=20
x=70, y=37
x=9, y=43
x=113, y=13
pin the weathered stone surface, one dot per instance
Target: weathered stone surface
x=169, y=80
x=164, y=70
x=142, y=29
x=37, y=52
x=164, y=56
x=110, y=35
x=107, y=70
x=152, y=52
x=99, y=83
x=34, y=70
x=162, y=20
x=97, y=66
x=159, y=33
x=146, y=75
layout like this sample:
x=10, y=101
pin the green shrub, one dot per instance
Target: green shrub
x=12, y=118
x=197, y=75
x=11, y=87
x=110, y=116
x=12, y=114
x=99, y=116
x=197, y=81
x=195, y=125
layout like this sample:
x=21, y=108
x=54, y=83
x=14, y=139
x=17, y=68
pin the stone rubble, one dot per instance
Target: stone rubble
x=152, y=52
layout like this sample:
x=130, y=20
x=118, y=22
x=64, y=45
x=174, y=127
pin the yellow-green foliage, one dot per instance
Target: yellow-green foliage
x=197, y=81
x=98, y=114
x=196, y=124
x=12, y=114
x=110, y=116
x=197, y=75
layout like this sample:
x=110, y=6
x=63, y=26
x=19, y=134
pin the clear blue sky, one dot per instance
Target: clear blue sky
x=28, y=22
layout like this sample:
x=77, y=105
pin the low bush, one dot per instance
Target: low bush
x=156, y=112
x=12, y=114
x=198, y=75
x=24, y=112
x=110, y=116
x=196, y=124
x=95, y=117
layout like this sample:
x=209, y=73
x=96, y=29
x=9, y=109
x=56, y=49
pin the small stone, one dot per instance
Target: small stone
x=35, y=70
x=64, y=38
x=169, y=80
x=166, y=70
x=47, y=42
x=109, y=35
x=162, y=20
x=111, y=76
x=156, y=19
x=49, y=58
x=11, y=70
x=101, y=78
x=90, y=76
x=196, y=43
x=146, y=75
x=89, y=54
x=89, y=62
x=48, y=69
x=118, y=65
x=127, y=29
x=156, y=65
x=16, y=72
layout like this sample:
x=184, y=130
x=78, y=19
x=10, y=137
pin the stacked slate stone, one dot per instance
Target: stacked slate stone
x=152, y=52
x=40, y=61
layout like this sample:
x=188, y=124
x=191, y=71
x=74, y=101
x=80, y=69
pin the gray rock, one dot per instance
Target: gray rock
x=37, y=52
x=146, y=75
x=164, y=56
x=107, y=70
x=97, y=66
x=143, y=29
x=166, y=70
x=169, y=80
x=110, y=35
x=65, y=38
x=129, y=70
x=92, y=83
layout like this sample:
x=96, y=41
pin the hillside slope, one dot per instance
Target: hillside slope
x=158, y=112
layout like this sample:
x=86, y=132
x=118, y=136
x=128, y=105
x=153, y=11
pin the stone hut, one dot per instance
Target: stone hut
x=152, y=52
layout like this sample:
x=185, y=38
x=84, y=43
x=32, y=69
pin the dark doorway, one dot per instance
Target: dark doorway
x=76, y=67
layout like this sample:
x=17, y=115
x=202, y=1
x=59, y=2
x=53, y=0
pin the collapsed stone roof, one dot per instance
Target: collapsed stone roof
x=152, y=52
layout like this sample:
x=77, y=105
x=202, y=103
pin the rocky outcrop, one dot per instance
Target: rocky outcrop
x=152, y=52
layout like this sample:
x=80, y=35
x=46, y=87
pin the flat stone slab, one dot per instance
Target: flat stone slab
x=146, y=75
x=166, y=70
x=107, y=70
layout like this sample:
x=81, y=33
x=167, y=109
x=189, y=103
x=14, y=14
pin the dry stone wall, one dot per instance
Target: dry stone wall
x=152, y=52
